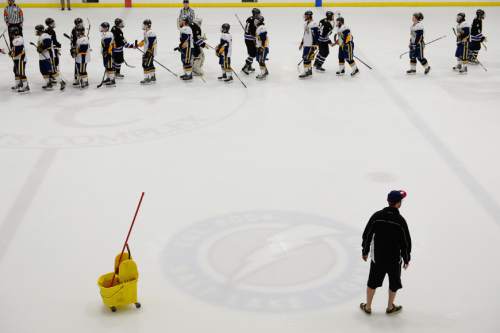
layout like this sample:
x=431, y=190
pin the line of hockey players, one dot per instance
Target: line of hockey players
x=315, y=45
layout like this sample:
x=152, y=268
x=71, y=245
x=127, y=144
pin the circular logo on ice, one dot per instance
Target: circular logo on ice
x=113, y=117
x=269, y=261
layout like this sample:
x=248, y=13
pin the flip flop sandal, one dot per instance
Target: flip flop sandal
x=395, y=309
x=363, y=307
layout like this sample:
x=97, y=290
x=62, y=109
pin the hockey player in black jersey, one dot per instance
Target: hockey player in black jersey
x=325, y=30
x=476, y=36
x=74, y=37
x=119, y=43
x=250, y=41
x=51, y=24
x=199, y=45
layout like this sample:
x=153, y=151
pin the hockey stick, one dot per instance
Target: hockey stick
x=481, y=64
x=102, y=81
x=63, y=81
x=88, y=30
x=432, y=41
x=158, y=63
x=244, y=85
x=485, y=46
x=126, y=239
x=239, y=21
x=364, y=63
x=67, y=36
x=127, y=64
x=6, y=43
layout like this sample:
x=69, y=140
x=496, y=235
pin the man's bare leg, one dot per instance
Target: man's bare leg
x=369, y=297
x=392, y=296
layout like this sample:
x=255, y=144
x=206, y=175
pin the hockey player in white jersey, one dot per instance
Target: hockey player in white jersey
x=18, y=55
x=186, y=49
x=262, y=43
x=47, y=59
x=346, y=48
x=223, y=51
x=463, y=37
x=107, y=42
x=309, y=43
x=417, y=45
x=149, y=51
x=82, y=56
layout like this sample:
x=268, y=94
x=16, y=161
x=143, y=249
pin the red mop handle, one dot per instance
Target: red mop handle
x=128, y=235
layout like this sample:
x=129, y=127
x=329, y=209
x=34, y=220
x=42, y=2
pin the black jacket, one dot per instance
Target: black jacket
x=53, y=36
x=388, y=233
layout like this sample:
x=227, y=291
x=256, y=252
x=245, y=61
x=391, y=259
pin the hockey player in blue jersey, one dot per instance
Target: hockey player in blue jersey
x=309, y=43
x=18, y=55
x=223, y=51
x=463, y=37
x=46, y=52
x=417, y=45
x=107, y=43
x=325, y=30
x=346, y=48
x=186, y=48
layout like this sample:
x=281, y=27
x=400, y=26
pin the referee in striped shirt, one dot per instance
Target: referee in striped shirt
x=13, y=16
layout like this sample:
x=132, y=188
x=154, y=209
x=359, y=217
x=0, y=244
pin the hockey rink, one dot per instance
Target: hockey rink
x=255, y=198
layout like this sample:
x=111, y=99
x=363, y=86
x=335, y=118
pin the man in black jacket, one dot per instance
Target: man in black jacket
x=387, y=238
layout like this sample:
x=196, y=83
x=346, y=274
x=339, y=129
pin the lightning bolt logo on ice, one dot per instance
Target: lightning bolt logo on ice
x=271, y=261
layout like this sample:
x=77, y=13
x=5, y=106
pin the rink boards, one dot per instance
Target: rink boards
x=264, y=3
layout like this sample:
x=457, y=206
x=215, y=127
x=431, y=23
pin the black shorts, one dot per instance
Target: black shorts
x=378, y=272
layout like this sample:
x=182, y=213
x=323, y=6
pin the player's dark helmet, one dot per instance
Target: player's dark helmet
x=460, y=17
x=15, y=31
x=119, y=23
x=147, y=23
x=480, y=13
x=340, y=20
x=329, y=15
x=78, y=21
x=308, y=13
x=39, y=28
x=50, y=22
x=418, y=16
x=225, y=28
x=256, y=12
x=104, y=26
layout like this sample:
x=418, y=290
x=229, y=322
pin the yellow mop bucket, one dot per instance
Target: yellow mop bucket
x=124, y=278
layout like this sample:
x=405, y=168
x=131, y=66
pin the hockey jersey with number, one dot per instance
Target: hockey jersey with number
x=325, y=30
x=44, y=47
x=250, y=28
x=262, y=37
x=311, y=34
x=82, y=50
x=106, y=43
x=417, y=34
x=463, y=32
x=226, y=44
x=18, y=52
x=186, y=39
x=149, y=42
x=118, y=39
x=476, y=31
x=344, y=35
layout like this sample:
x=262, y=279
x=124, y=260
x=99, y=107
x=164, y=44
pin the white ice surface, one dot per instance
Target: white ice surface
x=73, y=164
